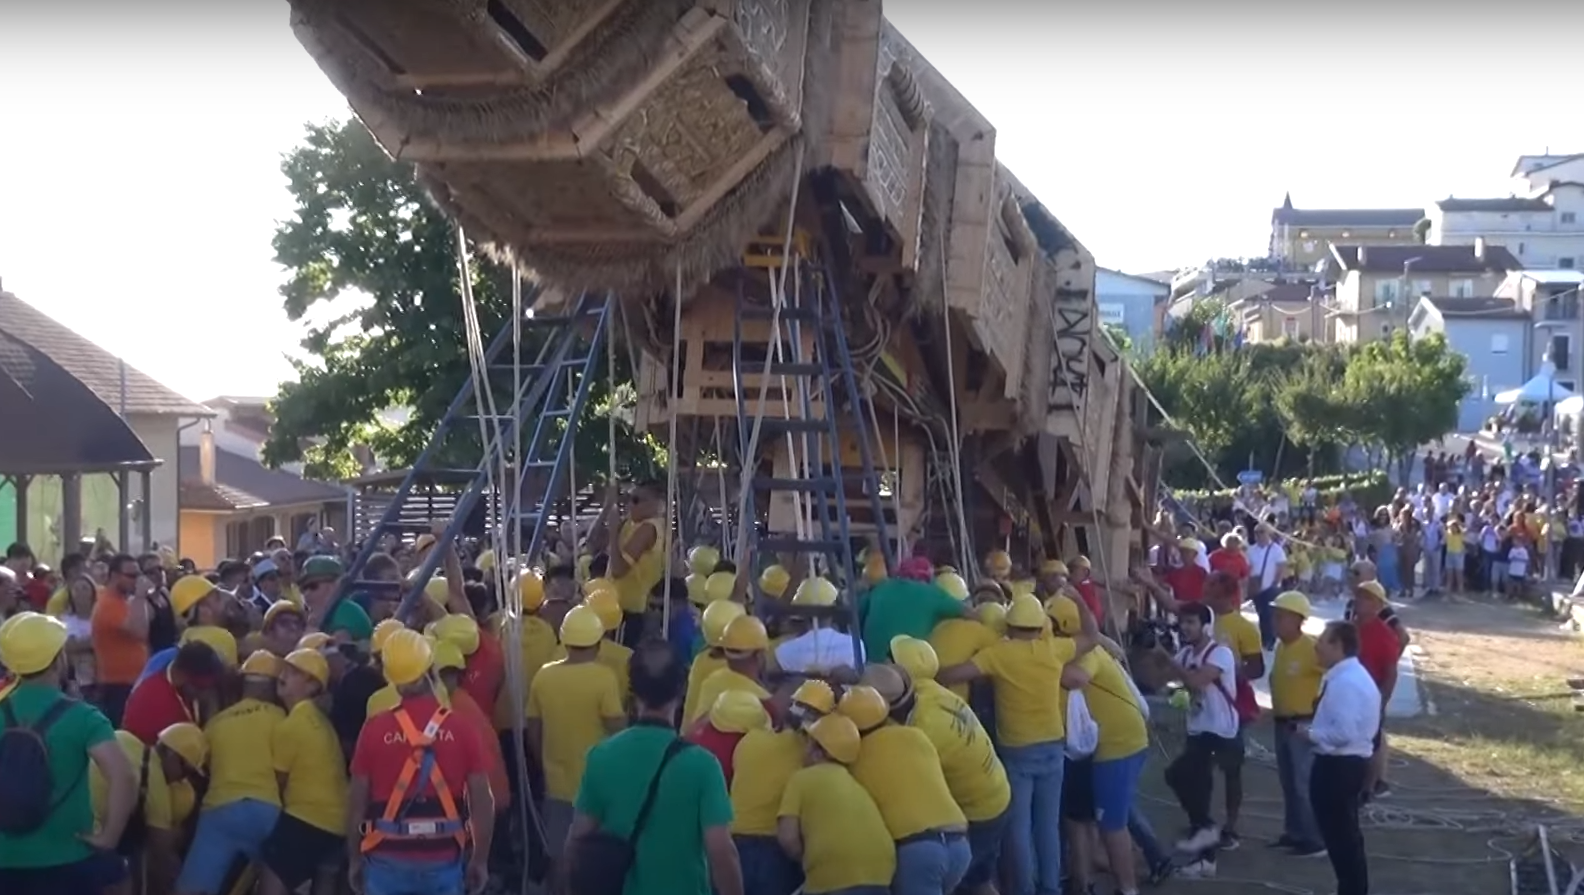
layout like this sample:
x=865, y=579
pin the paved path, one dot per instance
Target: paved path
x=1406, y=701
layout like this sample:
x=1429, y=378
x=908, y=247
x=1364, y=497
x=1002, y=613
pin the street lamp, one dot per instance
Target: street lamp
x=1402, y=291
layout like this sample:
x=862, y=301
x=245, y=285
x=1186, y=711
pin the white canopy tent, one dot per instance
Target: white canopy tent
x=1542, y=389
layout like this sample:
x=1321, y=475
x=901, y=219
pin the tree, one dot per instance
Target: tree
x=372, y=271
x=1313, y=410
x=1405, y=392
x=1118, y=334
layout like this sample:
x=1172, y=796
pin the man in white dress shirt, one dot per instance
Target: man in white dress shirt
x=1346, y=722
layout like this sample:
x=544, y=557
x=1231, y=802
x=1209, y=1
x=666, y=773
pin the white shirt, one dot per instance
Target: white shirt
x=1443, y=503
x=1211, y=710
x=1517, y=562
x=1348, y=716
x=1265, y=561
x=819, y=650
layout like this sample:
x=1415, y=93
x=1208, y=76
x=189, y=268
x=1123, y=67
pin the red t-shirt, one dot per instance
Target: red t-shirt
x=382, y=752
x=154, y=705
x=37, y=593
x=485, y=671
x=463, y=705
x=1187, y=583
x=1091, y=597
x=1378, y=648
x=1232, y=562
x=720, y=744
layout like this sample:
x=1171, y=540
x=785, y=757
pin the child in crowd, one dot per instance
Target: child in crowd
x=1454, y=555
x=1518, y=567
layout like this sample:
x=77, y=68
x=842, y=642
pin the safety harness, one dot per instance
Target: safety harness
x=397, y=827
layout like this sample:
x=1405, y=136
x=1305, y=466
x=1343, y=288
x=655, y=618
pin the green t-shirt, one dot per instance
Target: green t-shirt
x=692, y=798
x=898, y=606
x=81, y=728
x=351, y=618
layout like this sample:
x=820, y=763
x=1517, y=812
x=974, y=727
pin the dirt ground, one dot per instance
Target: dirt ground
x=1498, y=749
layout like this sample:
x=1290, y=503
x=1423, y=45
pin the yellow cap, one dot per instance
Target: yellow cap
x=998, y=564
x=1372, y=589
x=447, y=654
x=594, y=585
x=1080, y=562
x=953, y=584
x=261, y=664
x=582, y=627
x=864, y=706
x=531, y=588
x=1053, y=567
x=314, y=640
x=773, y=581
x=745, y=634
x=29, y=642
x=188, y=741
x=915, y=656
x=815, y=592
x=607, y=607
x=189, y=591
x=218, y=639
x=1025, y=612
x=837, y=736
x=406, y=657
x=309, y=662
x=461, y=630
x=815, y=694
x=738, y=711
x=279, y=608
x=1063, y=614
x=485, y=562
x=1293, y=601
x=382, y=633
x=719, y=586
x=695, y=589
x=702, y=560
x=717, y=616
x=993, y=616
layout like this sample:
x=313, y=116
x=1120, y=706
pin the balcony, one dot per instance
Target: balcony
x=1561, y=308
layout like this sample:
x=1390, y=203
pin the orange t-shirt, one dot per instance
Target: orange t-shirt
x=119, y=657
x=465, y=707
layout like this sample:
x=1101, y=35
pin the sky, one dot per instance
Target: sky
x=140, y=151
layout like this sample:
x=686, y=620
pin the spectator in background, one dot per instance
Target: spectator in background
x=162, y=618
x=120, y=629
x=11, y=602
x=20, y=560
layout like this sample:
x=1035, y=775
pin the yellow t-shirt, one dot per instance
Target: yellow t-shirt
x=1029, y=701
x=1238, y=634
x=183, y=800
x=157, y=793
x=1295, y=678
x=720, y=682
x=613, y=656
x=537, y=643
x=704, y=665
x=762, y=763
x=956, y=640
x=646, y=569
x=1454, y=542
x=973, y=773
x=901, y=771
x=241, y=760
x=307, y=751
x=382, y=700
x=572, y=701
x=1116, y=712
x=845, y=840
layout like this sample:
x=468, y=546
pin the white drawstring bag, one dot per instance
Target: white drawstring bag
x=1083, y=734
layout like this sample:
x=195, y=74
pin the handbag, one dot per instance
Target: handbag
x=600, y=861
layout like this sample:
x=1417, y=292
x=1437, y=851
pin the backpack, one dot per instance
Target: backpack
x=27, y=785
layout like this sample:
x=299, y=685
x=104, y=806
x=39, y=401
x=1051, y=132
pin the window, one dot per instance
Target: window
x=1566, y=383
x=1561, y=351
x=1385, y=291
x=1565, y=263
x=1303, y=234
x=1462, y=289
x=1569, y=217
x=1498, y=343
x=1520, y=249
x=1421, y=287
x=1289, y=327
x=1346, y=234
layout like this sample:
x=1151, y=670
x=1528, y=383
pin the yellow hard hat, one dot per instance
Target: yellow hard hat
x=594, y=585
x=993, y=616
x=745, y=634
x=815, y=592
x=1025, y=612
x=461, y=630
x=702, y=560
x=585, y=566
x=837, y=736
x=29, y=642
x=446, y=654
x=998, y=563
x=422, y=543
x=1370, y=588
x=406, y=657
x=1293, y=601
x=314, y=640
x=719, y=586
x=773, y=581
x=695, y=589
x=874, y=569
x=1191, y=544
x=382, y=633
x=953, y=584
x=915, y=656
x=485, y=562
x=438, y=591
x=888, y=680
x=815, y=694
x=582, y=627
x=309, y=662
x=607, y=607
x=1063, y=612
x=188, y=741
x=717, y=616
x=218, y=639
x=1024, y=586
x=189, y=591
x=1080, y=562
x=531, y=588
x=864, y=706
x=261, y=663
x=1053, y=567
x=738, y=711
x=279, y=608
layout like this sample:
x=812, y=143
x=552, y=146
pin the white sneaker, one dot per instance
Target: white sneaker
x=1198, y=870
x=1201, y=839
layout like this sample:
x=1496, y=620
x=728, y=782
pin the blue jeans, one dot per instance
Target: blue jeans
x=929, y=865
x=395, y=876
x=1267, y=617
x=765, y=867
x=1034, y=839
x=985, y=838
x=225, y=833
x=1144, y=835
x=1294, y=761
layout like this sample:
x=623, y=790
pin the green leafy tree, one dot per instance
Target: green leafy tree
x=1405, y=392
x=1309, y=402
x=372, y=273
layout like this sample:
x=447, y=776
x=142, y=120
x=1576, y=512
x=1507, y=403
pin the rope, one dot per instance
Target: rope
x=954, y=434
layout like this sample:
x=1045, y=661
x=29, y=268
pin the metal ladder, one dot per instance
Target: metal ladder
x=829, y=373
x=549, y=394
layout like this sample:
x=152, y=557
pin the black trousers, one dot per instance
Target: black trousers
x=1336, y=789
x=1192, y=774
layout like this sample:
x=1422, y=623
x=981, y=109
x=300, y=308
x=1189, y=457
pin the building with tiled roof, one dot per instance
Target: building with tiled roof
x=1302, y=237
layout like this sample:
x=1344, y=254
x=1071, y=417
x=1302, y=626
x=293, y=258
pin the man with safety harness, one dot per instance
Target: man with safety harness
x=410, y=833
